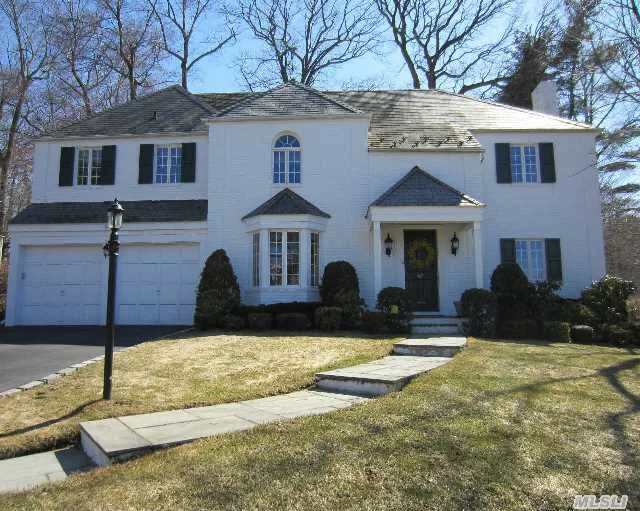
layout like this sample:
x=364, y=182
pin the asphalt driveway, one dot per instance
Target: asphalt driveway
x=29, y=353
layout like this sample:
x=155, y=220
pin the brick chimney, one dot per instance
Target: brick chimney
x=545, y=98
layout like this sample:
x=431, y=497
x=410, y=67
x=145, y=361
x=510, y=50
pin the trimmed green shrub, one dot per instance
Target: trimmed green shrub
x=519, y=329
x=583, y=315
x=633, y=309
x=339, y=284
x=394, y=300
x=479, y=307
x=556, y=331
x=307, y=308
x=351, y=315
x=218, y=291
x=292, y=321
x=328, y=318
x=513, y=292
x=397, y=324
x=582, y=333
x=373, y=322
x=260, y=320
x=232, y=322
x=607, y=299
x=618, y=334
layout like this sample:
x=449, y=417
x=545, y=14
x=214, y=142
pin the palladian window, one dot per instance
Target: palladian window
x=286, y=160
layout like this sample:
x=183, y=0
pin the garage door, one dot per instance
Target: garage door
x=157, y=284
x=62, y=285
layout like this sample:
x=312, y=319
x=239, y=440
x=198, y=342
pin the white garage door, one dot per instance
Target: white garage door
x=62, y=285
x=157, y=284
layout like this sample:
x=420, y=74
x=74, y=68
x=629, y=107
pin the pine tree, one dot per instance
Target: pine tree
x=218, y=291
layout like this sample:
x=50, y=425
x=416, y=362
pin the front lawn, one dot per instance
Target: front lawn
x=190, y=370
x=505, y=425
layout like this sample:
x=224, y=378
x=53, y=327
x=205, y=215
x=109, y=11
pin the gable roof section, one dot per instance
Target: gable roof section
x=289, y=99
x=96, y=212
x=170, y=110
x=419, y=188
x=287, y=202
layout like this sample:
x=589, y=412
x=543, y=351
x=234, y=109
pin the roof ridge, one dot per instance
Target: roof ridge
x=324, y=96
x=193, y=98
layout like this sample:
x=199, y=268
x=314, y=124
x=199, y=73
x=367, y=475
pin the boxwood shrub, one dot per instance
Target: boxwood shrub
x=292, y=321
x=559, y=331
x=479, y=309
x=328, y=318
x=260, y=320
x=519, y=329
x=582, y=333
x=232, y=322
x=374, y=322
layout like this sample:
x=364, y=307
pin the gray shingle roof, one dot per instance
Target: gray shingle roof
x=170, y=110
x=419, y=188
x=286, y=100
x=287, y=202
x=96, y=212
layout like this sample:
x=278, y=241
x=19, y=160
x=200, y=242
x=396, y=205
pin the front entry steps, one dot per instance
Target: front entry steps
x=411, y=358
x=429, y=324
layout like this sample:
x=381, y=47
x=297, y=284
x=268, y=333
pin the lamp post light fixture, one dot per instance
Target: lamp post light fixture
x=388, y=245
x=111, y=250
x=455, y=244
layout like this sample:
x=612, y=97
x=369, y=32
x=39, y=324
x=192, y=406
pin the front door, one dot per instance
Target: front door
x=421, y=269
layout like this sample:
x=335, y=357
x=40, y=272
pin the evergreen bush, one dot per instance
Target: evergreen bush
x=218, y=291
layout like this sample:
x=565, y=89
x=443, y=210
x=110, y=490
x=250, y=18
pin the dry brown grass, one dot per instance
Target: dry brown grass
x=193, y=370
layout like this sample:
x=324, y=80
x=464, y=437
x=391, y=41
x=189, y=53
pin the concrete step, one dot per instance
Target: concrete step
x=447, y=346
x=379, y=377
x=435, y=330
x=435, y=320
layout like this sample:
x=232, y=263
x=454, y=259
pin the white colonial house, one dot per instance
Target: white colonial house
x=291, y=179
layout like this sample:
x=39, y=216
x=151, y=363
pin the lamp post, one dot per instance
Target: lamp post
x=111, y=249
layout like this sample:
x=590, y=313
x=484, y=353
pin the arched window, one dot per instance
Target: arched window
x=286, y=160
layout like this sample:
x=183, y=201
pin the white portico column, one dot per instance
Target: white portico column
x=377, y=260
x=477, y=252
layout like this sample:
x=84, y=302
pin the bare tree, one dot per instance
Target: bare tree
x=178, y=21
x=302, y=39
x=26, y=60
x=440, y=40
x=134, y=46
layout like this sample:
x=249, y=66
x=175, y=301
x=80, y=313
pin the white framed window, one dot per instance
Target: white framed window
x=286, y=160
x=524, y=163
x=89, y=166
x=256, y=260
x=314, y=264
x=531, y=258
x=284, y=258
x=167, y=166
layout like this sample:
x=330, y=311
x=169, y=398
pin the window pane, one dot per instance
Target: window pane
x=176, y=164
x=162, y=165
x=287, y=141
x=96, y=166
x=83, y=167
x=293, y=258
x=278, y=166
x=294, y=166
x=315, y=259
x=536, y=272
x=522, y=255
x=531, y=164
x=275, y=258
x=256, y=259
x=516, y=164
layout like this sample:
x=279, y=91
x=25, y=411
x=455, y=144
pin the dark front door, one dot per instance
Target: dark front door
x=421, y=269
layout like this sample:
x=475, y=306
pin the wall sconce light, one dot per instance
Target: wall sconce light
x=388, y=245
x=455, y=244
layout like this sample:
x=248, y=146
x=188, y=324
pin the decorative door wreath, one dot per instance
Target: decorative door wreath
x=421, y=255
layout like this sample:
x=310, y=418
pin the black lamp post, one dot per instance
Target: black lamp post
x=111, y=249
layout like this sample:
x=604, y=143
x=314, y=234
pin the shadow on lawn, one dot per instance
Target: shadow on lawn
x=50, y=422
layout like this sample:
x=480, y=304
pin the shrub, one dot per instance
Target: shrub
x=260, y=320
x=218, y=291
x=328, y=318
x=607, y=299
x=351, y=315
x=373, y=322
x=618, y=334
x=339, y=288
x=232, y=322
x=583, y=315
x=633, y=309
x=397, y=324
x=479, y=307
x=582, y=333
x=307, y=308
x=512, y=290
x=519, y=329
x=292, y=321
x=556, y=331
x=394, y=300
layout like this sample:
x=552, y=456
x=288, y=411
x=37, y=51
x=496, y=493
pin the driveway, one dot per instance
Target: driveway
x=29, y=353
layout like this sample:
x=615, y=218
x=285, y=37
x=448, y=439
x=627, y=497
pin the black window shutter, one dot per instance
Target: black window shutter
x=108, y=175
x=145, y=164
x=503, y=163
x=507, y=250
x=554, y=259
x=547, y=163
x=188, y=174
x=67, y=160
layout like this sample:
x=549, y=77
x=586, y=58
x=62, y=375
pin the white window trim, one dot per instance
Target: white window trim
x=76, y=165
x=287, y=150
x=155, y=163
x=529, y=258
x=317, y=284
x=521, y=145
x=256, y=265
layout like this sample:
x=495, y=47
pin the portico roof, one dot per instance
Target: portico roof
x=287, y=202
